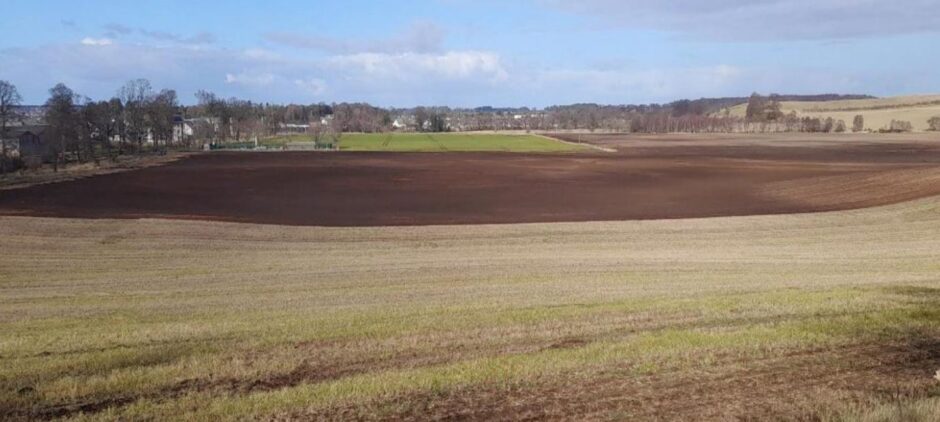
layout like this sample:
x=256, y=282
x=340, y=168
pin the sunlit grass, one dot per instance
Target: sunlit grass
x=451, y=142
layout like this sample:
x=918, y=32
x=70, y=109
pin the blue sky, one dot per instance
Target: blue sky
x=473, y=52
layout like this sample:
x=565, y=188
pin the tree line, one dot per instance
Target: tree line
x=80, y=129
x=139, y=119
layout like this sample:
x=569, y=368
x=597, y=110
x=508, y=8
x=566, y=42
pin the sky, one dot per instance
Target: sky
x=468, y=53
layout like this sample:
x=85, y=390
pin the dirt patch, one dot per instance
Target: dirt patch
x=652, y=179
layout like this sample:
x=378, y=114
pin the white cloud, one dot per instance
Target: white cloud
x=450, y=65
x=262, y=79
x=456, y=78
x=762, y=20
x=97, y=41
x=116, y=30
x=420, y=37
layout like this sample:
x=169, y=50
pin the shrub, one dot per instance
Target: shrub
x=934, y=123
x=12, y=163
x=898, y=126
x=840, y=126
x=858, y=124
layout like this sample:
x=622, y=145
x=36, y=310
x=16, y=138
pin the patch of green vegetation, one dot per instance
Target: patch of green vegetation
x=283, y=140
x=421, y=142
x=451, y=142
x=108, y=371
x=276, y=142
x=692, y=347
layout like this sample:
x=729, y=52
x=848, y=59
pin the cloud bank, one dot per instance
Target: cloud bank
x=765, y=20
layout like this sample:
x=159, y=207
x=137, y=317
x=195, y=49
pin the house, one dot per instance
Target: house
x=182, y=129
x=29, y=144
x=198, y=128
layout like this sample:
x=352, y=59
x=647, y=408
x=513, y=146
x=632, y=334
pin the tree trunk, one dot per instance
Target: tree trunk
x=3, y=156
x=77, y=149
x=91, y=152
x=109, y=149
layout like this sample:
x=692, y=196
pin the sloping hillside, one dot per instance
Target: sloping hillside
x=878, y=112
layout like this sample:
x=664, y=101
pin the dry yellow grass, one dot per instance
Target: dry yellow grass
x=878, y=113
x=118, y=320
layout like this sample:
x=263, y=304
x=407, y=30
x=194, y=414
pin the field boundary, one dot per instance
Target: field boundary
x=44, y=176
x=580, y=144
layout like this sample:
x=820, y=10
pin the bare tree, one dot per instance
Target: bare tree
x=317, y=130
x=211, y=106
x=839, y=127
x=86, y=116
x=99, y=127
x=161, y=110
x=773, y=110
x=934, y=123
x=756, y=108
x=899, y=126
x=335, y=130
x=221, y=113
x=240, y=116
x=135, y=94
x=421, y=118
x=828, y=125
x=61, y=116
x=9, y=100
x=858, y=124
x=116, y=124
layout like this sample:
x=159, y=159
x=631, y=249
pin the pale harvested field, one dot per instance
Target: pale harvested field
x=878, y=113
x=828, y=316
x=902, y=100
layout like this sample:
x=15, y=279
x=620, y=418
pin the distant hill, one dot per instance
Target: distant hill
x=878, y=112
x=713, y=105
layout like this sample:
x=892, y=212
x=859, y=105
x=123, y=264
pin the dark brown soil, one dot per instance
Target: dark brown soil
x=645, y=179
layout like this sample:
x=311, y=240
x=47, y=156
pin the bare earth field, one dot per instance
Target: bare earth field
x=646, y=178
x=818, y=316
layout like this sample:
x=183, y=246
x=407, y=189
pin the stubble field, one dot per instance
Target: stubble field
x=819, y=316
